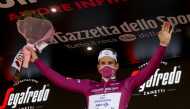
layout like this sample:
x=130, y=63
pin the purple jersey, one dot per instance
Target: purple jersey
x=104, y=95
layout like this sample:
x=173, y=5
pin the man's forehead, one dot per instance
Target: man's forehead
x=106, y=58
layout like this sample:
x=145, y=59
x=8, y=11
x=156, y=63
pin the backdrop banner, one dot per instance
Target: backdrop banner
x=128, y=26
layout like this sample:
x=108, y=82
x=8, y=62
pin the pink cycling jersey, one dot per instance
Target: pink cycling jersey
x=104, y=95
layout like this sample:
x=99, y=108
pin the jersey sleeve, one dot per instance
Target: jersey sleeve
x=75, y=85
x=144, y=74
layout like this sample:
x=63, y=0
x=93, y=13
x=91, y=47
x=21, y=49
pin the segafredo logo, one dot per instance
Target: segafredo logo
x=32, y=96
x=165, y=79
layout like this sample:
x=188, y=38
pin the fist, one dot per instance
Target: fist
x=33, y=53
x=165, y=34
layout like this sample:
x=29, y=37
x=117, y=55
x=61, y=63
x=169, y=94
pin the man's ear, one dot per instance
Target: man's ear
x=117, y=66
x=98, y=66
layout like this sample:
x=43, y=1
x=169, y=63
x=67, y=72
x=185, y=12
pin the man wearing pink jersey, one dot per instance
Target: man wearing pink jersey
x=110, y=93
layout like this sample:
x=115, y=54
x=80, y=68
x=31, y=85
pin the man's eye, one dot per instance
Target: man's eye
x=103, y=63
x=110, y=62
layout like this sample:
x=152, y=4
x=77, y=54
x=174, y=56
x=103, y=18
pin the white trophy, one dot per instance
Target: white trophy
x=38, y=34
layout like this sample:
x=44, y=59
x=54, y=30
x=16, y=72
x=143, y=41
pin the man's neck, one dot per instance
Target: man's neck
x=108, y=79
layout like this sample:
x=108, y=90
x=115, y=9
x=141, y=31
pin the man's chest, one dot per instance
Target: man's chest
x=105, y=96
x=102, y=88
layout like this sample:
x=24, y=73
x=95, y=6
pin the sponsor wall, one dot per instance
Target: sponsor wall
x=129, y=26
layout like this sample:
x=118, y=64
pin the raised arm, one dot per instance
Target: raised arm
x=145, y=73
x=59, y=80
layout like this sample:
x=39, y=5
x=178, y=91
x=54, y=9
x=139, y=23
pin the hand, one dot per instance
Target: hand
x=34, y=55
x=165, y=34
